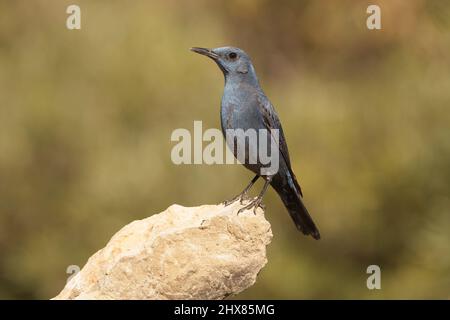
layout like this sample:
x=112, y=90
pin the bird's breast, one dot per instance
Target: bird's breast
x=236, y=109
x=229, y=115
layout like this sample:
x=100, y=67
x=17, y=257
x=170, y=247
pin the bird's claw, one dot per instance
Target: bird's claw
x=254, y=204
x=244, y=197
x=226, y=203
x=241, y=197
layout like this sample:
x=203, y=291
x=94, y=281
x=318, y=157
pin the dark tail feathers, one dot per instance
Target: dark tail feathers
x=298, y=212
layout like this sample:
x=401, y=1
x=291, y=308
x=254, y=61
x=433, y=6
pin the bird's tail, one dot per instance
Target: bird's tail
x=291, y=198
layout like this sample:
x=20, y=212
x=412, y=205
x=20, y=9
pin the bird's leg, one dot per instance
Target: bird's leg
x=257, y=202
x=243, y=193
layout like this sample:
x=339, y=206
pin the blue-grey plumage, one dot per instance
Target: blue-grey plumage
x=245, y=106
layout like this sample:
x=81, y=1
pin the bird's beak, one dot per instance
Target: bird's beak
x=205, y=52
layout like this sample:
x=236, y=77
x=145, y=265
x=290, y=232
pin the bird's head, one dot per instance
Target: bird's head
x=232, y=61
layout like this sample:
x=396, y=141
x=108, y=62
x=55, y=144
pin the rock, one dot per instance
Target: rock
x=205, y=252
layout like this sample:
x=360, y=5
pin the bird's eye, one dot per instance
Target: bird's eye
x=232, y=55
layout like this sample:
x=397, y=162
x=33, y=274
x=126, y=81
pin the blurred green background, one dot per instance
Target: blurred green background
x=86, y=118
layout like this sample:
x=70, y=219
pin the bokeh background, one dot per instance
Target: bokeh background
x=86, y=118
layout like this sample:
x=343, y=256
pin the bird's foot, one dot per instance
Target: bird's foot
x=244, y=197
x=255, y=204
x=241, y=197
x=226, y=203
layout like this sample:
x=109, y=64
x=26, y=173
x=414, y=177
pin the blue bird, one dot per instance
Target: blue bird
x=245, y=106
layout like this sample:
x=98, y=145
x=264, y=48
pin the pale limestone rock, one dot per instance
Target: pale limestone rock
x=206, y=252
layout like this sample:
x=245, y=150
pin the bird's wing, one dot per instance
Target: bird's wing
x=271, y=121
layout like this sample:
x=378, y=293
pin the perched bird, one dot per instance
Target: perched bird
x=245, y=106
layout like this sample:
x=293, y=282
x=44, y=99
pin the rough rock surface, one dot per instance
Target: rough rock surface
x=206, y=252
